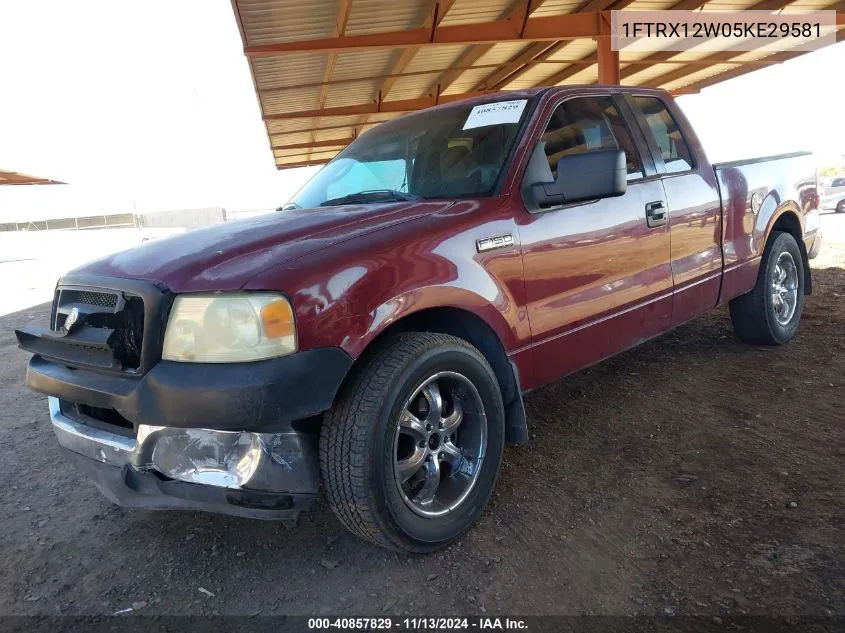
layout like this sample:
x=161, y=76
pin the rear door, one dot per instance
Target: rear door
x=695, y=211
x=597, y=275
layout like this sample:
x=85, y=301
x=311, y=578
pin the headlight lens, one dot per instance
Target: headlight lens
x=229, y=328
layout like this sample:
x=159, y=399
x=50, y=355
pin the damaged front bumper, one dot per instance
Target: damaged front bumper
x=238, y=438
x=256, y=475
x=231, y=438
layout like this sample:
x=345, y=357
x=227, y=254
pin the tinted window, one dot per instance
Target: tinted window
x=586, y=124
x=442, y=153
x=676, y=154
x=838, y=182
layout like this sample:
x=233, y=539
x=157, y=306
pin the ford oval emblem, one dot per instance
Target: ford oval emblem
x=71, y=319
x=756, y=202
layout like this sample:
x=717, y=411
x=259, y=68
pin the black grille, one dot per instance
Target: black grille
x=67, y=298
x=100, y=299
x=120, y=312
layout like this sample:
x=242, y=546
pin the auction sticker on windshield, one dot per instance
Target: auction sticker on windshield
x=495, y=113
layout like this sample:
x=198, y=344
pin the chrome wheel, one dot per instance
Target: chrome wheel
x=439, y=444
x=785, y=288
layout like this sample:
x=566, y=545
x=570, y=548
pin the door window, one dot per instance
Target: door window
x=586, y=124
x=671, y=143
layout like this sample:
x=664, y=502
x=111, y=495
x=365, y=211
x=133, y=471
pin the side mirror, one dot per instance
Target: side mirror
x=592, y=175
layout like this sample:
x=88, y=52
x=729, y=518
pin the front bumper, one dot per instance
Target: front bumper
x=261, y=396
x=256, y=475
x=236, y=438
x=222, y=438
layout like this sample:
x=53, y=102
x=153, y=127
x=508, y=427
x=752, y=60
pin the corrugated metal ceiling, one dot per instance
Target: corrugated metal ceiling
x=343, y=87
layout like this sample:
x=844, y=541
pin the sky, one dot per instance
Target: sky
x=149, y=105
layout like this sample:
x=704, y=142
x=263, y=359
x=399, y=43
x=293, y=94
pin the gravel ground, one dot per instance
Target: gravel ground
x=694, y=475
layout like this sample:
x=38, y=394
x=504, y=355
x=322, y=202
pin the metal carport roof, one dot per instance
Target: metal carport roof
x=327, y=70
x=17, y=178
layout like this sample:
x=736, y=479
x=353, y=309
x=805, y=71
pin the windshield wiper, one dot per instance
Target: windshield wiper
x=290, y=206
x=371, y=196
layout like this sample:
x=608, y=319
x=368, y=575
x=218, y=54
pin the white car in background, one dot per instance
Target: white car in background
x=833, y=195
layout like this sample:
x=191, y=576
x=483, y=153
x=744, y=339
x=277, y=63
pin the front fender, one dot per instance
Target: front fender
x=345, y=296
x=376, y=321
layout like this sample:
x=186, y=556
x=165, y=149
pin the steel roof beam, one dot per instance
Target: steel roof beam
x=549, y=28
x=517, y=14
x=584, y=61
x=517, y=65
x=593, y=5
x=322, y=128
x=308, y=155
x=334, y=142
x=569, y=71
x=304, y=163
x=342, y=19
x=399, y=105
x=438, y=12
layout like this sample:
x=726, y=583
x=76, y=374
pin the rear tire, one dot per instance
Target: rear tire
x=770, y=313
x=411, y=451
x=840, y=208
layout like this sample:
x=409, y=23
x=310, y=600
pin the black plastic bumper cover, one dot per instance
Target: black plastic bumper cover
x=262, y=396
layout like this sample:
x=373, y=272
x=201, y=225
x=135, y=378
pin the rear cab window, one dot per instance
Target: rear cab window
x=670, y=141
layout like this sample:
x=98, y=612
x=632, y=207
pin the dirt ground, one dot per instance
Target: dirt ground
x=694, y=475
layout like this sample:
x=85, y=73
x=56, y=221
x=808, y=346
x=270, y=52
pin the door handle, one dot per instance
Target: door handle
x=655, y=214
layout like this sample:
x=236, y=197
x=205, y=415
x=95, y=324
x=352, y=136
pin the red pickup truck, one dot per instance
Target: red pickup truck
x=378, y=333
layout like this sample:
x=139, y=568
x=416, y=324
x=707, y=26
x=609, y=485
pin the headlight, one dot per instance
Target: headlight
x=229, y=328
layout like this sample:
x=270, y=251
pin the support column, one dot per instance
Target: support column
x=608, y=62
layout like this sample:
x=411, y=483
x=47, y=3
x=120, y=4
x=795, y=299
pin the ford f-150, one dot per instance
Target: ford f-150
x=378, y=333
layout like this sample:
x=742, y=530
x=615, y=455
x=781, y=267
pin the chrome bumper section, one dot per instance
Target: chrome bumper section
x=263, y=475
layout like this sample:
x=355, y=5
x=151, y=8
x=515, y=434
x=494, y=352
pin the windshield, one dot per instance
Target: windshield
x=442, y=153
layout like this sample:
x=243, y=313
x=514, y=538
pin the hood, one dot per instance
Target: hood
x=226, y=256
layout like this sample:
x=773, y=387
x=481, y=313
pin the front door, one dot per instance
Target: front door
x=597, y=274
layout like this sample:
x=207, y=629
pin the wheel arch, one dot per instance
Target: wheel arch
x=472, y=328
x=787, y=221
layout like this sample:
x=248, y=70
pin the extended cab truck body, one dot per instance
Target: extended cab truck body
x=378, y=333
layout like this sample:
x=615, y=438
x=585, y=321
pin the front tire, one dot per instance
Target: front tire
x=770, y=313
x=840, y=208
x=410, y=453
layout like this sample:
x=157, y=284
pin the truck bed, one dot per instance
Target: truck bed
x=755, y=193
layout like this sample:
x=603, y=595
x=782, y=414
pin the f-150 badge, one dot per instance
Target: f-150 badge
x=489, y=243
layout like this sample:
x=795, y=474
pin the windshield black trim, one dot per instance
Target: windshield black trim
x=354, y=198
